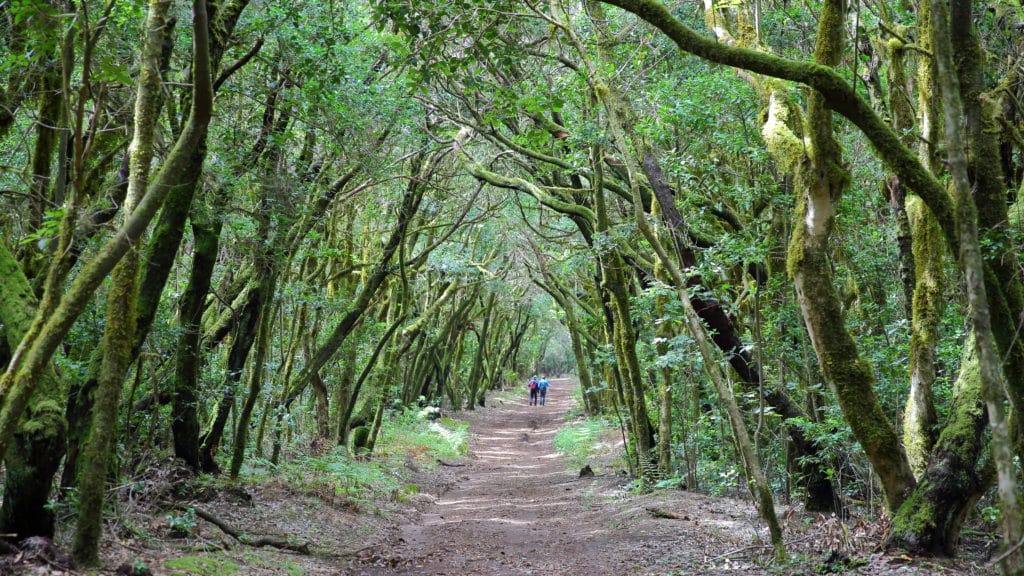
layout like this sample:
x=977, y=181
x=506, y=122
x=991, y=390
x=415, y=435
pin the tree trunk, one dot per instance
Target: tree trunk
x=406, y=212
x=929, y=521
x=243, y=337
x=323, y=420
x=920, y=250
x=757, y=483
x=256, y=371
x=621, y=329
x=993, y=381
x=188, y=359
x=919, y=418
x=119, y=331
x=1001, y=272
x=38, y=444
x=820, y=495
x=179, y=184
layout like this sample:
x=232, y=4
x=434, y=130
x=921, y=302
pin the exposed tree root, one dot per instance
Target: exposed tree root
x=659, y=513
x=248, y=540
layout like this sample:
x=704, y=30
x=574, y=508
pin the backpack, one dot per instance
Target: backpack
x=533, y=384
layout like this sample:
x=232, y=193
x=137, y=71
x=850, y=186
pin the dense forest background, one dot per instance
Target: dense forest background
x=238, y=230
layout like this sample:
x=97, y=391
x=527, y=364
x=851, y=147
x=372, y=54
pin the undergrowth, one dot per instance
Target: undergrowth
x=580, y=440
x=404, y=438
x=407, y=434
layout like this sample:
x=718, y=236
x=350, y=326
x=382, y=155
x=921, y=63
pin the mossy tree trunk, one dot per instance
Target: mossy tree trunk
x=206, y=228
x=268, y=260
x=663, y=333
x=820, y=182
x=613, y=283
x=930, y=521
x=119, y=331
x=920, y=421
x=48, y=126
x=920, y=246
x=749, y=457
x=161, y=249
x=38, y=444
x=820, y=493
x=342, y=392
x=476, y=385
x=371, y=285
x=990, y=366
x=423, y=168
x=255, y=376
x=1002, y=280
x=242, y=340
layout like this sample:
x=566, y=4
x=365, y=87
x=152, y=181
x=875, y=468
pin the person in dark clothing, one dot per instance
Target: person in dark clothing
x=542, y=386
x=533, y=385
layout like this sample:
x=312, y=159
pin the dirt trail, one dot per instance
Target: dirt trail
x=516, y=509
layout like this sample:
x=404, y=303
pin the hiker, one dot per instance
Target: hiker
x=533, y=390
x=542, y=386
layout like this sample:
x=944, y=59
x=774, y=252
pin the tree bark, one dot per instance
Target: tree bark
x=38, y=444
x=53, y=322
x=119, y=331
x=993, y=380
x=188, y=359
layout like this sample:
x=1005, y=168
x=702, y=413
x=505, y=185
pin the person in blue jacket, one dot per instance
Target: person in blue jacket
x=542, y=387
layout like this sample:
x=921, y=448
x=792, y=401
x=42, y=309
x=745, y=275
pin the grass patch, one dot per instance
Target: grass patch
x=360, y=481
x=579, y=440
x=355, y=481
x=201, y=566
x=407, y=434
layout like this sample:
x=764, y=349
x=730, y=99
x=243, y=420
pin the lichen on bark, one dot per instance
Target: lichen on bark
x=919, y=417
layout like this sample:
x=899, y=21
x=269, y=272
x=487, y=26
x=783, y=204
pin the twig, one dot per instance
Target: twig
x=450, y=464
x=1008, y=551
x=738, y=551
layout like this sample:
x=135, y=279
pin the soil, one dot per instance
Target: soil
x=515, y=506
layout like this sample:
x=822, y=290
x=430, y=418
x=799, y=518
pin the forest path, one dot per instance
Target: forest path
x=516, y=509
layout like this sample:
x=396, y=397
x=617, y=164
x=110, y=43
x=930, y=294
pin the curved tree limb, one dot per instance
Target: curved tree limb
x=839, y=96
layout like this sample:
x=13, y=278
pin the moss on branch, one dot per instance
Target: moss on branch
x=837, y=92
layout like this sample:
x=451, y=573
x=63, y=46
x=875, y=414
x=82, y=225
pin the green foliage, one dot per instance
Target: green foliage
x=580, y=440
x=47, y=231
x=360, y=481
x=407, y=433
x=356, y=481
x=182, y=524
